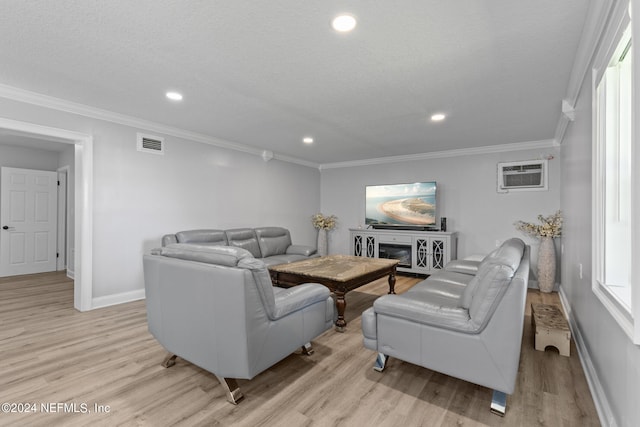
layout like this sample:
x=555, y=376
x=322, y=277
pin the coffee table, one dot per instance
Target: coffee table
x=339, y=273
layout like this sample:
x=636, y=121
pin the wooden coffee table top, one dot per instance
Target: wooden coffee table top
x=339, y=273
x=339, y=268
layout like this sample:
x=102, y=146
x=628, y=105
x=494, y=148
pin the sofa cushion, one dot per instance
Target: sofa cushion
x=273, y=240
x=463, y=266
x=447, y=292
x=210, y=237
x=467, y=295
x=442, y=296
x=282, y=259
x=244, y=238
x=426, y=310
x=509, y=254
x=491, y=285
x=304, y=250
x=221, y=255
x=452, y=277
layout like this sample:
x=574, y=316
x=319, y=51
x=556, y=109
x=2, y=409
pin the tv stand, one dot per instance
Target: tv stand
x=419, y=251
x=404, y=227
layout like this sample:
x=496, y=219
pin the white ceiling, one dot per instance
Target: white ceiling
x=266, y=73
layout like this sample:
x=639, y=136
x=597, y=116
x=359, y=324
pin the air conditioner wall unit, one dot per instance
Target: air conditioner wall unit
x=528, y=175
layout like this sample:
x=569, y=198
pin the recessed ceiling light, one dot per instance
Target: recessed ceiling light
x=307, y=140
x=343, y=23
x=174, y=96
x=438, y=117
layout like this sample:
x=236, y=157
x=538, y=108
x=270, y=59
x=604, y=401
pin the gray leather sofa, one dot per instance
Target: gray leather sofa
x=272, y=245
x=465, y=321
x=215, y=307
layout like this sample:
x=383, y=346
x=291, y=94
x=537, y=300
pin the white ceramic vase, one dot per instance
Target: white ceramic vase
x=546, y=265
x=322, y=242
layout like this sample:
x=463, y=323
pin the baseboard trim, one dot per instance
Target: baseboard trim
x=109, y=300
x=71, y=274
x=600, y=400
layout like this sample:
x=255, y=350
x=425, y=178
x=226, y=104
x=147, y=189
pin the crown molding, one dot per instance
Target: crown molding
x=518, y=146
x=597, y=18
x=46, y=101
x=295, y=160
x=595, y=23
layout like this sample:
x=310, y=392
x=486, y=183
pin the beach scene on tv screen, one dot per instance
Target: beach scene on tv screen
x=400, y=204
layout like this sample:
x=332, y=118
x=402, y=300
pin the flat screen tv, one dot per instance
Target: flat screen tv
x=401, y=205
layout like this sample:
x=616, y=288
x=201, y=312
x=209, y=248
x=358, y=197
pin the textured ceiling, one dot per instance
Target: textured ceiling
x=266, y=73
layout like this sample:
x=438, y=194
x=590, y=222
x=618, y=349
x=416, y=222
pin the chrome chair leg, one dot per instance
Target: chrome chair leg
x=307, y=349
x=499, y=403
x=169, y=360
x=232, y=389
x=230, y=384
x=381, y=362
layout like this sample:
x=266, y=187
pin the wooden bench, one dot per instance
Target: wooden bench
x=550, y=328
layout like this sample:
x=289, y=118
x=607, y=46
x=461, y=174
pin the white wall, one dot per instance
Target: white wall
x=27, y=158
x=466, y=196
x=138, y=197
x=611, y=360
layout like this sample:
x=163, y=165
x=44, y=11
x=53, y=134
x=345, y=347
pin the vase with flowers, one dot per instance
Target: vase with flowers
x=549, y=227
x=323, y=224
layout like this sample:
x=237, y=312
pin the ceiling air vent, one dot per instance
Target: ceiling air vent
x=527, y=175
x=150, y=143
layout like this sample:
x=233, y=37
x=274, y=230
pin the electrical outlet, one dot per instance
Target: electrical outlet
x=498, y=243
x=580, y=270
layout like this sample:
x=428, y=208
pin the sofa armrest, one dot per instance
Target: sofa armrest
x=289, y=300
x=169, y=239
x=424, y=311
x=370, y=329
x=301, y=250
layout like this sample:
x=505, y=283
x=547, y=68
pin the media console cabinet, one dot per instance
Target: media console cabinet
x=421, y=252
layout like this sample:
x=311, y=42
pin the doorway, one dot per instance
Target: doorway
x=83, y=209
x=28, y=216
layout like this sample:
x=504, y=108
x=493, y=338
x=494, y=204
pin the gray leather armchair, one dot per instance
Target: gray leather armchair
x=465, y=321
x=215, y=307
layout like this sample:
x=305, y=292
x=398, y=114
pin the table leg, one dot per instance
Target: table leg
x=341, y=304
x=392, y=281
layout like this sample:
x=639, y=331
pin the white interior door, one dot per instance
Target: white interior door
x=28, y=221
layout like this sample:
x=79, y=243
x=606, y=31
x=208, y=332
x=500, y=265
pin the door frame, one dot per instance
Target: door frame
x=63, y=220
x=83, y=210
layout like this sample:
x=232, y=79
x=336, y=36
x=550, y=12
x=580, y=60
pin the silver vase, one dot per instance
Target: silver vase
x=546, y=265
x=322, y=242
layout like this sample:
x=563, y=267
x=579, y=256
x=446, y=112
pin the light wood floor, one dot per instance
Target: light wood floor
x=51, y=354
